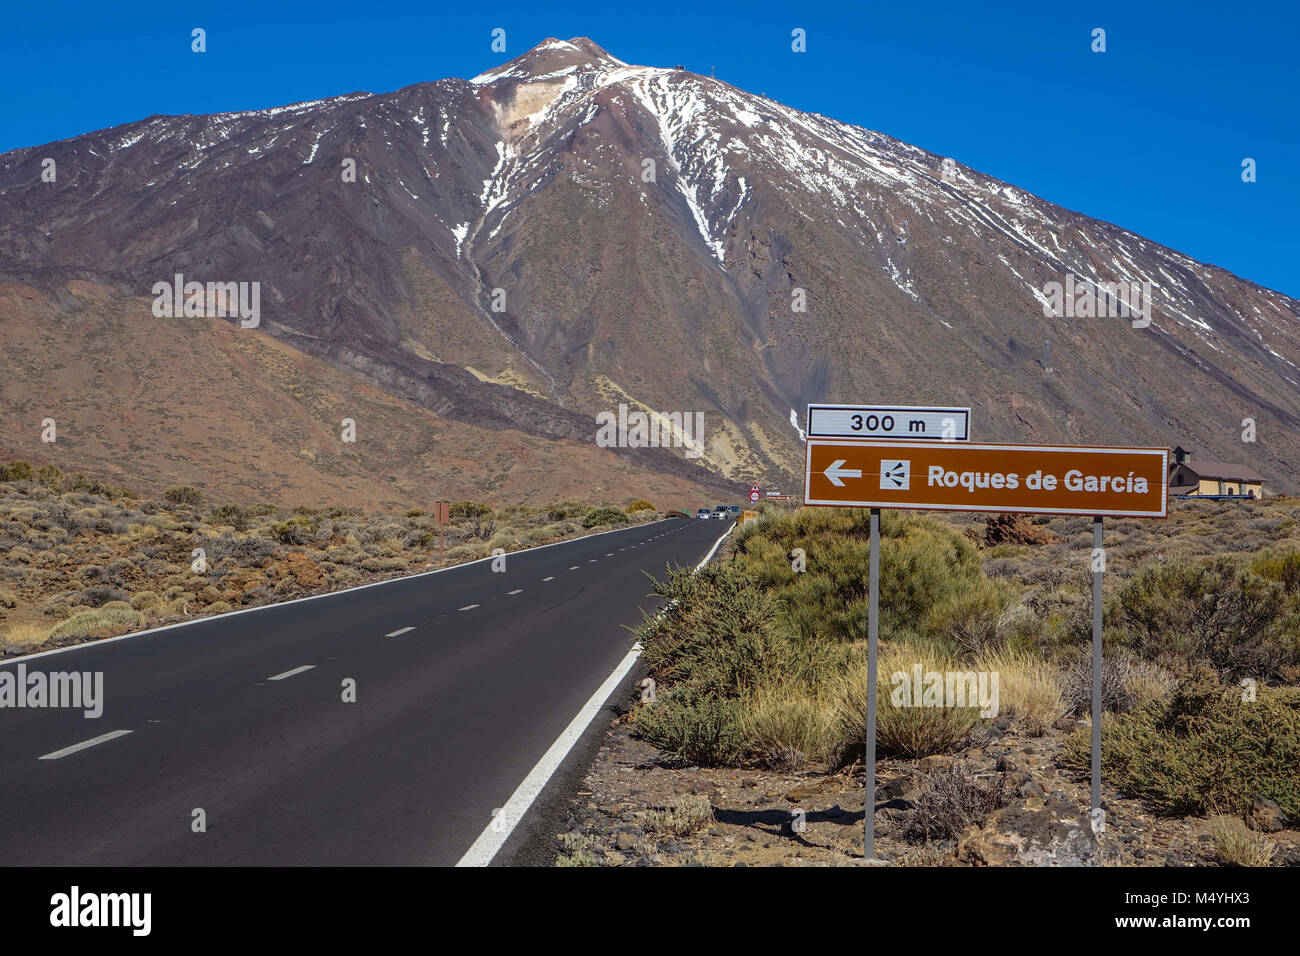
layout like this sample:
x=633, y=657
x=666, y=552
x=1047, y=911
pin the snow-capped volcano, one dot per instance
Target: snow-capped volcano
x=566, y=231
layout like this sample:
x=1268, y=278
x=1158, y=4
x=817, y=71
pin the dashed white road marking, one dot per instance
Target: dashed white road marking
x=551, y=578
x=467, y=607
x=575, y=567
x=609, y=554
x=516, y=591
x=102, y=738
x=399, y=632
x=296, y=670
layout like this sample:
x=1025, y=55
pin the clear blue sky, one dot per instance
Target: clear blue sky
x=1149, y=135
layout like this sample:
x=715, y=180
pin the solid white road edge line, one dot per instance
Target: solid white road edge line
x=102, y=738
x=491, y=840
x=296, y=670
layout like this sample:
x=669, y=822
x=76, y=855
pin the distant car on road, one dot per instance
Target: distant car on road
x=704, y=513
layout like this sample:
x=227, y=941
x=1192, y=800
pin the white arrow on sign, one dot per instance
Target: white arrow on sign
x=835, y=473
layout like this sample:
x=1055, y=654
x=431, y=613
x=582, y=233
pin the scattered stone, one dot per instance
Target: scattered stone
x=1266, y=816
x=1051, y=835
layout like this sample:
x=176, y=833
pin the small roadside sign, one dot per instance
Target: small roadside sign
x=1033, y=479
x=889, y=422
x=754, y=493
x=441, y=514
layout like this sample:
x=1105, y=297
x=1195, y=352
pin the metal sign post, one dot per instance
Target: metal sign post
x=873, y=637
x=1097, y=565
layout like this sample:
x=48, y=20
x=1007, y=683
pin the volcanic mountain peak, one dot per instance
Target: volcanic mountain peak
x=566, y=234
x=552, y=59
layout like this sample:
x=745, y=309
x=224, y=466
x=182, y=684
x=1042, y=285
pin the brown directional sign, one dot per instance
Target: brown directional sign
x=953, y=476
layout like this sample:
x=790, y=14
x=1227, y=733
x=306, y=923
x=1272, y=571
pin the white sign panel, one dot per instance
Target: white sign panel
x=889, y=422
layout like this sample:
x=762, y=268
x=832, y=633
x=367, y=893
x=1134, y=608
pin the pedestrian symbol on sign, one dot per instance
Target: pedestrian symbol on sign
x=894, y=474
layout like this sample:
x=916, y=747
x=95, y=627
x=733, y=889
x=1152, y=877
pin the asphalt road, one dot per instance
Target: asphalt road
x=450, y=715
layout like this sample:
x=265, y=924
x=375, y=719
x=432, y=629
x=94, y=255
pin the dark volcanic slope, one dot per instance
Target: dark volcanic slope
x=671, y=291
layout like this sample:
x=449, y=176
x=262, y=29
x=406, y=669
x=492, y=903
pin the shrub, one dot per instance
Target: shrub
x=92, y=623
x=685, y=816
x=714, y=646
x=904, y=730
x=383, y=564
x=49, y=476
x=183, y=495
x=16, y=471
x=23, y=636
x=505, y=539
x=974, y=619
x=481, y=528
x=1202, y=749
x=599, y=516
x=639, y=505
x=1126, y=683
x=1028, y=688
x=1280, y=566
x=565, y=510
x=1207, y=611
x=1236, y=845
x=786, y=726
x=290, y=532
x=99, y=596
x=469, y=509
x=244, y=550
x=142, y=600
x=952, y=800
x=230, y=514
x=701, y=729
x=922, y=563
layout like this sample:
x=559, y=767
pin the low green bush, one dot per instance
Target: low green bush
x=183, y=495
x=86, y=623
x=1210, y=610
x=600, y=516
x=469, y=509
x=1202, y=749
